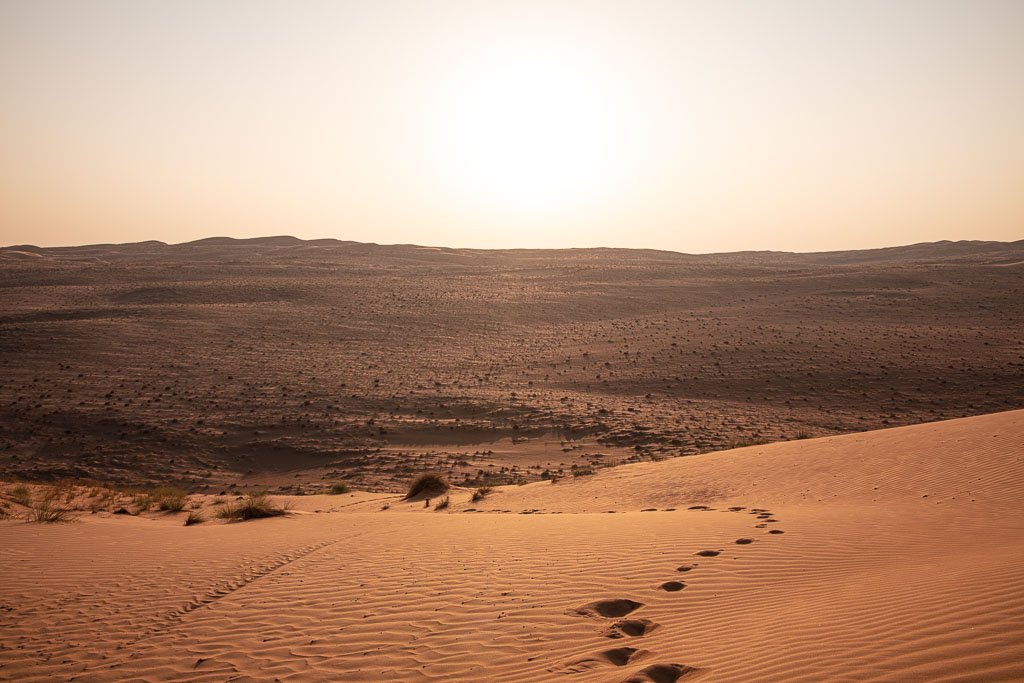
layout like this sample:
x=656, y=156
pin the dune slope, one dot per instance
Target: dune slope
x=899, y=559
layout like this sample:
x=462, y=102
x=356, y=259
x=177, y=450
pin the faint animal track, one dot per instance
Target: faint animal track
x=609, y=609
x=660, y=673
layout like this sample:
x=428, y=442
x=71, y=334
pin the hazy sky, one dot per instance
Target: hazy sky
x=692, y=126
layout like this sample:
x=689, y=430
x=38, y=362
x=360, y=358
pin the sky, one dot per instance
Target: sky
x=669, y=124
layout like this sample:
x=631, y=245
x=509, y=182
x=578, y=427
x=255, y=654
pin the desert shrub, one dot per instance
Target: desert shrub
x=427, y=485
x=251, y=506
x=46, y=511
x=21, y=495
x=442, y=504
x=339, y=488
x=143, y=501
x=194, y=517
x=170, y=500
x=481, y=493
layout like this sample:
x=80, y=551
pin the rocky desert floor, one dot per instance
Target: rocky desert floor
x=891, y=555
x=288, y=364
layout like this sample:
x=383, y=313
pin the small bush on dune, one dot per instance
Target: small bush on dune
x=442, y=504
x=339, y=488
x=427, y=485
x=45, y=511
x=170, y=500
x=252, y=506
x=194, y=517
x=481, y=493
x=21, y=495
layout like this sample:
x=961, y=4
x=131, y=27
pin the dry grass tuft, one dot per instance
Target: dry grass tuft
x=45, y=511
x=427, y=485
x=442, y=504
x=194, y=517
x=170, y=499
x=21, y=495
x=252, y=506
x=481, y=493
x=339, y=488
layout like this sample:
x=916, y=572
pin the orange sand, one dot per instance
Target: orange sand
x=900, y=560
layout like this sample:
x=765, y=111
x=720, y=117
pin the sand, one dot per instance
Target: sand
x=900, y=559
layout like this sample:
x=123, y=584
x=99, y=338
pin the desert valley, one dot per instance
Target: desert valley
x=649, y=466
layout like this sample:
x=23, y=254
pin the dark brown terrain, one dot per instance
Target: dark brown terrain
x=288, y=363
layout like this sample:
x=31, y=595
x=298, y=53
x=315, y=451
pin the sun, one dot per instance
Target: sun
x=530, y=129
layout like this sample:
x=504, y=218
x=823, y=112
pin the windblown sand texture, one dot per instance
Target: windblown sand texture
x=887, y=555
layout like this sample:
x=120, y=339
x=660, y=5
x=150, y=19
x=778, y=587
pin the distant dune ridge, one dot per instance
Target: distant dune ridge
x=212, y=247
x=891, y=555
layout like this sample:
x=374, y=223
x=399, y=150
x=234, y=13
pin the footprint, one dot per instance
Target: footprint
x=698, y=507
x=634, y=628
x=709, y=553
x=686, y=568
x=776, y=531
x=621, y=656
x=737, y=508
x=660, y=673
x=618, y=656
x=744, y=541
x=672, y=586
x=609, y=609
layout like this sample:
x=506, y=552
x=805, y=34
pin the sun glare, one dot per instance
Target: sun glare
x=529, y=130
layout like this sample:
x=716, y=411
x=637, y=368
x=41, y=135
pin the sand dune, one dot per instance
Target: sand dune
x=887, y=555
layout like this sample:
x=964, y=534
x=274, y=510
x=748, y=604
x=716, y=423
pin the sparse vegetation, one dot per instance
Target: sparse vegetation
x=442, y=504
x=170, y=499
x=194, y=517
x=21, y=495
x=428, y=485
x=251, y=506
x=481, y=493
x=47, y=512
x=339, y=488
